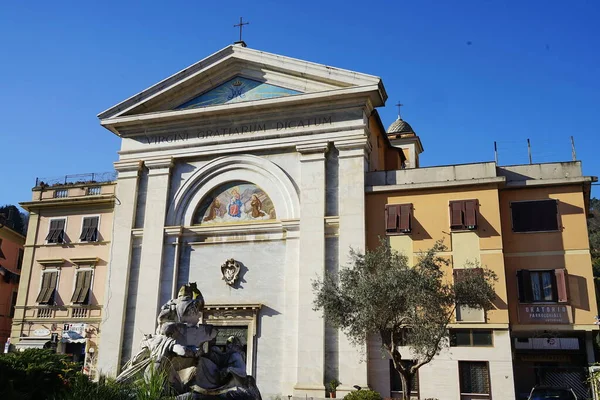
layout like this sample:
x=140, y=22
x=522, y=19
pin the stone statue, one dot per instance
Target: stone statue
x=176, y=350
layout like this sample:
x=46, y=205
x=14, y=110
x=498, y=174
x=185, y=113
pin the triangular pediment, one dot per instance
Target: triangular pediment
x=236, y=90
x=237, y=74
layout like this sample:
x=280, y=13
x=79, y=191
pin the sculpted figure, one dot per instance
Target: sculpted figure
x=175, y=349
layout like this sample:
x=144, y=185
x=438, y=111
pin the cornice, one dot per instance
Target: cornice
x=69, y=202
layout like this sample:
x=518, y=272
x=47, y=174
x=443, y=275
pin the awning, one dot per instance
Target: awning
x=72, y=337
x=31, y=343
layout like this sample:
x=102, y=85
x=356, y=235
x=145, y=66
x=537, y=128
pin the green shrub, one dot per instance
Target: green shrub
x=80, y=387
x=35, y=374
x=363, y=395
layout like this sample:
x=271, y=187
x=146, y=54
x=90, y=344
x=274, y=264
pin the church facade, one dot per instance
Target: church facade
x=251, y=174
x=253, y=157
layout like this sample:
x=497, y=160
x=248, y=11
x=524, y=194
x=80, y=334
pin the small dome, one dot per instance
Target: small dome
x=400, y=126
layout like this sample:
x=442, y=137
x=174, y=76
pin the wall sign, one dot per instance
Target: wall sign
x=41, y=332
x=545, y=314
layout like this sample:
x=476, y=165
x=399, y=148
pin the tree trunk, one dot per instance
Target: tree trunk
x=407, y=379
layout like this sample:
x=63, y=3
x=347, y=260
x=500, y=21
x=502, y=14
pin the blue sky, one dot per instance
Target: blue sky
x=469, y=72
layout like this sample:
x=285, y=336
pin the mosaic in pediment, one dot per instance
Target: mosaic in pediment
x=237, y=90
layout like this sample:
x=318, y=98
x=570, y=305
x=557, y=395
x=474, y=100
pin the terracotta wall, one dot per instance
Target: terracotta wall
x=11, y=243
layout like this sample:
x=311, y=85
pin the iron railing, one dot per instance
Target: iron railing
x=93, y=177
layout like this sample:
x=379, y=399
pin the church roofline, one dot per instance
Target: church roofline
x=293, y=66
x=308, y=98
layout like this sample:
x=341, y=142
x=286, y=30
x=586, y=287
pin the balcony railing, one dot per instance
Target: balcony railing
x=79, y=179
x=74, y=311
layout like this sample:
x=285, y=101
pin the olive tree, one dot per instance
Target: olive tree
x=408, y=307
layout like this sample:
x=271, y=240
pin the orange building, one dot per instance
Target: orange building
x=11, y=259
x=527, y=223
x=67, y=250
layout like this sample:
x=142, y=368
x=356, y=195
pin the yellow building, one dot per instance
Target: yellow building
x=527, y=223
x=67, y=251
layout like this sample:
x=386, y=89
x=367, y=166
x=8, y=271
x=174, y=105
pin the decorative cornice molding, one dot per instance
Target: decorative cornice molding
x=164, y=163
x=128, y=165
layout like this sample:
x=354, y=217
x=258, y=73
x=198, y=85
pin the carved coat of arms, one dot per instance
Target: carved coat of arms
x=230, y=270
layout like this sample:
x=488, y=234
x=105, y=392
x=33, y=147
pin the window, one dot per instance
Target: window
x=474, y=378
x=471, y=337
x=465, y=313
x=13, y=305
x=396, y=382
x=535, y=216
x=542, y=286
x=61, y=193
x=49, y=280
x=56, y=233
x=398, y=218
x=94, y=190
x=89, y=229
x=1, y=253
x=20, y=259
x=463, y=214
x=82, y=287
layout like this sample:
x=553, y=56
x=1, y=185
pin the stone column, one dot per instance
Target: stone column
x=148, y=293
x=115, y=297
x=311, y=327
x=351, y=199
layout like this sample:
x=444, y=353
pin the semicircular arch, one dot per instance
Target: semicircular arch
x=258, y=171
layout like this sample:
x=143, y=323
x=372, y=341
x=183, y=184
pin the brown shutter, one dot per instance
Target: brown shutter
x=459, y=275
x=45, y=283
x=78, y=286
x=85, y=278
x=471, y=214
x=85, y=229
x=456, y=214
x=405, y=217
x=561, y=285
x=48, y=296
x=391, y=224
x=51, y=229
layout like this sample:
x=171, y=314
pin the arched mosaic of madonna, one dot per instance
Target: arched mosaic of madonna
x=234, y=202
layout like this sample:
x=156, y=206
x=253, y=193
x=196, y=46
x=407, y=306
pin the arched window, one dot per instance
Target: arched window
x=234, y=202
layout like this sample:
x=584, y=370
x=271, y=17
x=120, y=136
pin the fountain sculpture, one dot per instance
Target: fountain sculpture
x=176, y=349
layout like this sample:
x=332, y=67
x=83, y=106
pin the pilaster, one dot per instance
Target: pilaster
x=111, y=339
x=25, y=280
x=152, y=246
x=352, y=163
x=311, y=326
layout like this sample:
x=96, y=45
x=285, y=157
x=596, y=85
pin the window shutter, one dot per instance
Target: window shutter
x=87, y=285
x=85, y=228
x=51, y=230
x=459, y=275
x=1, y=253
x=392, y=218
x=405, y=217
x=561, y=285
x=78, y=286
x=456, y=214
x=52, y=287
x=45, y=283
x=471, y=214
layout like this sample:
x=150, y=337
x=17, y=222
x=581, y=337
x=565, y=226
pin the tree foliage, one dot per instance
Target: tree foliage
x=14, y=219
x=408, y=308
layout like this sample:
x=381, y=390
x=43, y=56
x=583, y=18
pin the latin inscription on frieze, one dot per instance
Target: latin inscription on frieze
x=242, y=129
